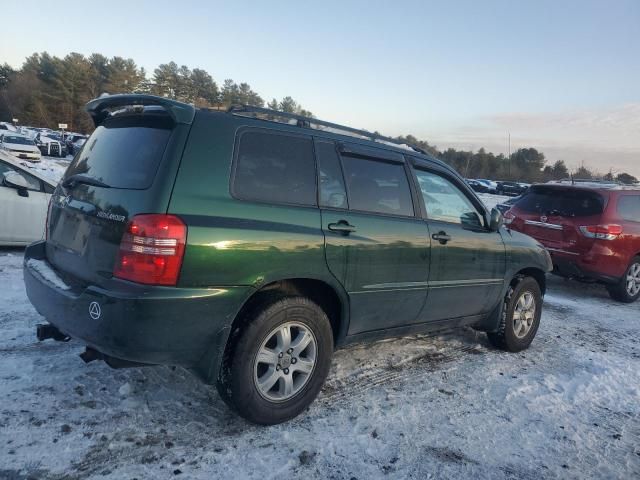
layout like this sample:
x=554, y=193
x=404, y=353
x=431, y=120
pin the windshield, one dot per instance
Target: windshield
x=562, y=202
x=18, y=140
x=123, y=152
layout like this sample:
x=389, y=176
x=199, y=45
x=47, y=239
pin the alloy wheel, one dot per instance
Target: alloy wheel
x=524, y=314
x=633, y=279
x=285, y=361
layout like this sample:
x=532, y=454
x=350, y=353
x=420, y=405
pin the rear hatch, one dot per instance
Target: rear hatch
x=553, y=215
x=126, y=167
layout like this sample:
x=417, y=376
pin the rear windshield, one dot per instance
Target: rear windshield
x=563, y=202
x=124, y=152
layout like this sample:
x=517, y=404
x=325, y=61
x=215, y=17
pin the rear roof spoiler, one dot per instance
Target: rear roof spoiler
x=99, y=108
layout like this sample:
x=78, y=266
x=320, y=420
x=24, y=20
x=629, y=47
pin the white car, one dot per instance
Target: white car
x=24, y=199
x=20, y=146
x=7, y=127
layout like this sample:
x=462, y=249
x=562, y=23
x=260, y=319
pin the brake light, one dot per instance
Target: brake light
x=151, y=250
x=602, y=232
x=508, y=217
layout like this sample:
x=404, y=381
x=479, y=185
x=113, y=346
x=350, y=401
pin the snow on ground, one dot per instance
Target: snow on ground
x=416, y=407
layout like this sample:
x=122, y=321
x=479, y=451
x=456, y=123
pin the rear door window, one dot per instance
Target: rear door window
x=561, y=202
x=377, y=186
x=124, y=152
x=275, y=168
x=629, y=207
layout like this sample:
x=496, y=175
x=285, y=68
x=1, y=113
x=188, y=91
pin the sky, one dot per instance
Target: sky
x=560, y=76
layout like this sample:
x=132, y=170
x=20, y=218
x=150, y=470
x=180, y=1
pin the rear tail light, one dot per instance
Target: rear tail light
x=508, y=217
x=151, y=250
x=602, y=232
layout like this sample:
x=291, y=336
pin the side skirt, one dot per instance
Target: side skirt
x=429, y=327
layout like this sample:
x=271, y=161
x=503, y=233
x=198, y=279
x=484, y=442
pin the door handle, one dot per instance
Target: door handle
x=342, y=226
x=442, y=237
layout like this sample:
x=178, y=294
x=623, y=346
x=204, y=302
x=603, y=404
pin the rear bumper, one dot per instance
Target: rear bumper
x=600, y=264
x=138, y=323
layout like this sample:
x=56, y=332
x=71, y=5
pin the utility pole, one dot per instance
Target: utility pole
x=509, y=150
x=466, y=170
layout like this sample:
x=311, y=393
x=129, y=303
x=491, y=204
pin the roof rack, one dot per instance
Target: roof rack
x=586, y=180
x=309, y=122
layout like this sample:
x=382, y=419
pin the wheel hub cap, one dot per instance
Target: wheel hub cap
x=633, y=279
x=524, y=314
x=285, y=361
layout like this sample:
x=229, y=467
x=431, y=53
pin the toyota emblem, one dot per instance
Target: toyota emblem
x=94, y=310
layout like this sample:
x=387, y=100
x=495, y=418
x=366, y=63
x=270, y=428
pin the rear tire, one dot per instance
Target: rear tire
x=520, y=316
x=628, y=289
x=286, y=344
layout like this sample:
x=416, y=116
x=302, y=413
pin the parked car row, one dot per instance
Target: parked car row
x=53, y=143
x=511, y=188
x=481, y=185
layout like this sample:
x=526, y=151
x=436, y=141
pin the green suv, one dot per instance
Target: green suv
x=247, y=245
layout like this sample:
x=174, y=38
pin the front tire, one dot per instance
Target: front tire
x=520, y=316
x=279, y=362
x=628, y=289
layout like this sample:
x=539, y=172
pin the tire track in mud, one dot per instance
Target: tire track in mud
x=343, y=389
x=30, y=348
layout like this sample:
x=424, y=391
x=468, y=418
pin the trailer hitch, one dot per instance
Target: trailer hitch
x=45, y=331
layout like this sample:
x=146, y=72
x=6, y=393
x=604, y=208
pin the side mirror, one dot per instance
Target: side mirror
x=495, y=220
x=17, y=181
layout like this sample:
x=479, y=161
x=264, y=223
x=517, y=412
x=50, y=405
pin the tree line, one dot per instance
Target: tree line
x=47, y=90
x=525, y=165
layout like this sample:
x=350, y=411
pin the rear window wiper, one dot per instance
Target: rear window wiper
x=79, y=178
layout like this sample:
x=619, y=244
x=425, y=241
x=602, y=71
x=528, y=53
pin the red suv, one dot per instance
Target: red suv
x=591, y=230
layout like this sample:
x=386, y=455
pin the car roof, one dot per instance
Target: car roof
x=592, y=186
x=99, y=109
x=18, y=164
